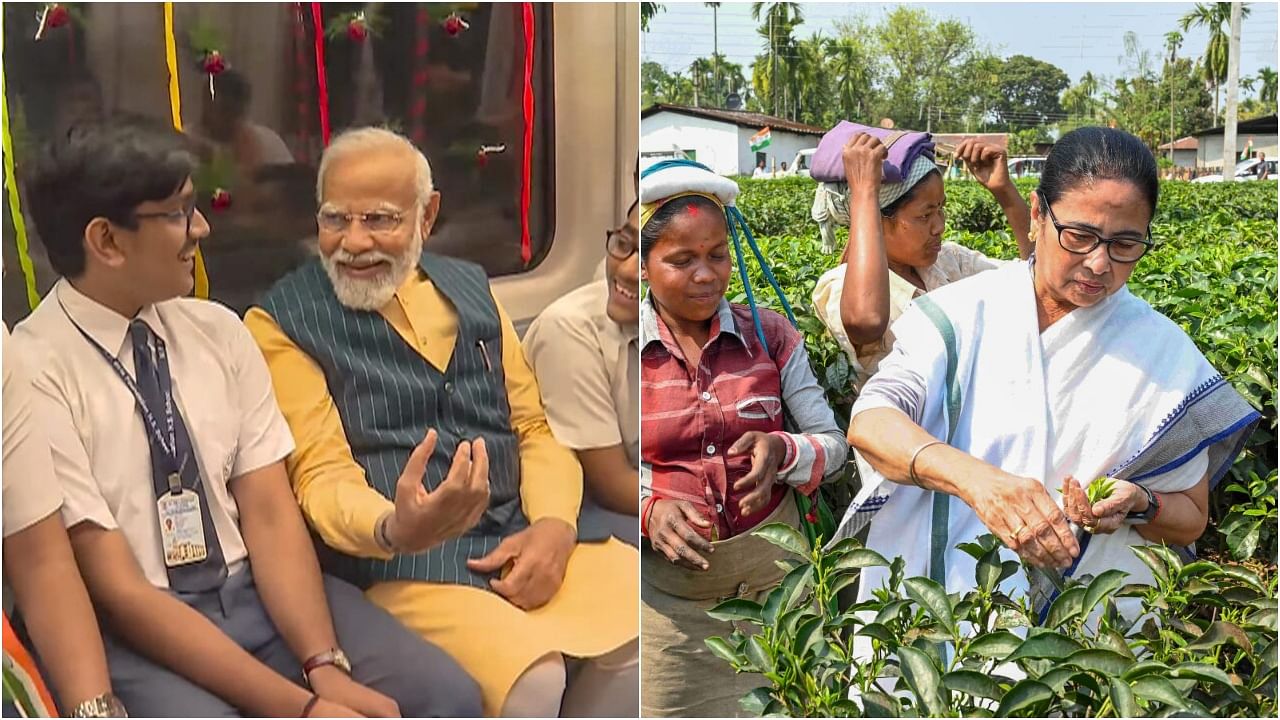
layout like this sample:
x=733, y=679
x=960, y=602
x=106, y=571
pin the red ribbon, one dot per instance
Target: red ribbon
x=526, y=247
x=322, y=84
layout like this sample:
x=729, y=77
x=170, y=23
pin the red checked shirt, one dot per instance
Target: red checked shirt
x=691, y=416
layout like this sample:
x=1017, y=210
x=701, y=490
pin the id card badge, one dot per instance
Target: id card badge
x=181, y=528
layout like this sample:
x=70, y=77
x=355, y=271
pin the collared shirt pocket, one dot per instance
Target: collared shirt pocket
x=759, y=408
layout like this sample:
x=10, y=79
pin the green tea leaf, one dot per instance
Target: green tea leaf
x=1220, y=633
x=1158, y=689
x=1065, y=608
x=1123, y=700
x=1102, y=587
x=1202, y=672
x=1106, y=662
x=723, y=650
x=755, y=701
x=861, y=558
x=1049, y=645
x=1027, y=697
x=758, y=655
x=997, y=645
x=932, y=597
x=923, y=678
x=736, y=609
x=785, y=537
x=971, y=682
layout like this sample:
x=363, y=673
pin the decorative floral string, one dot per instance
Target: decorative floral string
x=322, y=83
x=526, y=247
x=15, y=202
x=175, y=109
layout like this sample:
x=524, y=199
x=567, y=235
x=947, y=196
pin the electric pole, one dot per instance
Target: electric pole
x=1233, y=87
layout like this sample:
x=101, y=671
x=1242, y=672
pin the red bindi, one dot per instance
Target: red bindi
x=693, y=211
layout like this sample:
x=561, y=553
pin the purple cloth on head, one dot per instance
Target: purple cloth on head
x=904, y=147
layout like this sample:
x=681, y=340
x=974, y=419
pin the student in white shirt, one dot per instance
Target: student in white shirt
x=39, y=566
x=170, y=450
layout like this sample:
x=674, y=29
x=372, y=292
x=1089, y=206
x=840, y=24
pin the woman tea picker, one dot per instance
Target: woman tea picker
x=1004, y=391
x=892, y=201
x=715, y=460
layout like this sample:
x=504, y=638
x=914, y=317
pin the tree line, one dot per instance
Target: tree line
x=936, y=74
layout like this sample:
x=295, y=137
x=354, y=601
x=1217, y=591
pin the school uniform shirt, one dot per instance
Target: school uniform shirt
x=98, y=438
x=31, y=493
x=588, y=370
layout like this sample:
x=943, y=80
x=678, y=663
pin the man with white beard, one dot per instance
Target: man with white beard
x=424, y=459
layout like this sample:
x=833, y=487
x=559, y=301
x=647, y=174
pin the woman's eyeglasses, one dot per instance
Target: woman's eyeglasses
x=1080, y=241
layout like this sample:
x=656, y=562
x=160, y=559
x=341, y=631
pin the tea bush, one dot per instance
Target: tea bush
x=1203, y=645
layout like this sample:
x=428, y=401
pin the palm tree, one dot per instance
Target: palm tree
x=647, y=11
x=1267, y=93
x=1172, y=41
x=702, y=73
x=1089, y=84
x=780, y=18
x=850, y=66
x=715, y=40
x=1213, y=16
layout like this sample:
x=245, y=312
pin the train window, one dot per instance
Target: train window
x=470, y=84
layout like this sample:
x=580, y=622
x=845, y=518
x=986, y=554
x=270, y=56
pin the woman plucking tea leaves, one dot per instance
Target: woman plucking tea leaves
x=1001, y=389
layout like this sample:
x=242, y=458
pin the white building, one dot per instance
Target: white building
x=1260, y=131
x=721, y=139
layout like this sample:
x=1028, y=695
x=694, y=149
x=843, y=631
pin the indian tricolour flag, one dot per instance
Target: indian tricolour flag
x=760, y=140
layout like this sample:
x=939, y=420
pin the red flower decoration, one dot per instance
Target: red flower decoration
x=57, y=17
x=811, y=517
x=357, y=30
x=221, y=200
x=454, y=25
x=213, y=62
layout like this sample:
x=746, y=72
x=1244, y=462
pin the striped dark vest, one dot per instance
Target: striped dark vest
x=388, y=395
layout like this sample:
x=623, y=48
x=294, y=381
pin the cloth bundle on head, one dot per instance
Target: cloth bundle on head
x=669, y=180
x=904, y=146
x=831, y=200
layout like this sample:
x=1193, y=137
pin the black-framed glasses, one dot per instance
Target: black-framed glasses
x=621, y=242
x=186, y=212
x=1080, y=241
x=374, y=221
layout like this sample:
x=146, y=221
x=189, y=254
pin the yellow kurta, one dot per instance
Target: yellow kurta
x=597, y=607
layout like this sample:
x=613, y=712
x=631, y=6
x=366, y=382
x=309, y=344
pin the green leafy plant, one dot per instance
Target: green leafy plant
x=1205, y=644
x=1100, y=489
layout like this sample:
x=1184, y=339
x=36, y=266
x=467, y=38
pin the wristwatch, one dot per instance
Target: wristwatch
x=105, y=705
x=332, y=656
x=1146, y=516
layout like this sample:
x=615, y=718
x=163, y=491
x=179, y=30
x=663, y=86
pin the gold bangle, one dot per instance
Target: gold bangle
x=911, y=468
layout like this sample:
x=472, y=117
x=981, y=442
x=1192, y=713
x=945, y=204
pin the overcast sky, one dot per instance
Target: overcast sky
x=1077, y=37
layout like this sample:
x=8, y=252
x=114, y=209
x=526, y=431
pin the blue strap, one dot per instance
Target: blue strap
x=938, y=538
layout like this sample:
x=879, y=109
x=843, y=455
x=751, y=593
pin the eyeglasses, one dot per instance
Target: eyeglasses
x=374, y=221
x=621, y=242
x=187, y=212
x=1079, y=241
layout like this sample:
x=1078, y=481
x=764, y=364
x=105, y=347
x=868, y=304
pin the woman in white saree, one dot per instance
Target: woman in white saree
x=1001, y=390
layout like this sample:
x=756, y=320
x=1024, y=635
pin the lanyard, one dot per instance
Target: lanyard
x=168, y=449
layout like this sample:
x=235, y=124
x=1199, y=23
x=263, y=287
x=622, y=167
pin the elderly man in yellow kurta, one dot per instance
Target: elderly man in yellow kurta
x=424, y=459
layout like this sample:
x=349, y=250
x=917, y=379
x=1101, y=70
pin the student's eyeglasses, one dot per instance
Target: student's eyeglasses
x=621, y=242
x=1080, y=241
x=186, y=212
x=374, y=221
